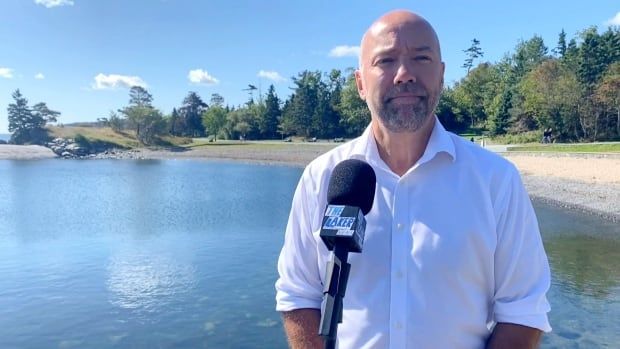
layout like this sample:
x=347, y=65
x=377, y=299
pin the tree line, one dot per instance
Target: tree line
x=321, y=106
x=573, y=90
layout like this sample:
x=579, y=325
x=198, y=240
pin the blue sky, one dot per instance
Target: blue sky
x=80, y=56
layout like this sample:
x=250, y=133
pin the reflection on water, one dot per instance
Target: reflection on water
x=586, y=265
x=146, y=282
x=148, y=254
x=584, y=255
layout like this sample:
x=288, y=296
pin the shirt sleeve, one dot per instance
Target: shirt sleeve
x=522, y=276
x=299, y=284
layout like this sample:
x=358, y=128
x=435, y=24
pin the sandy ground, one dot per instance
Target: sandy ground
x=25, y=152
x=589, y=183
x=585, y=182
x=591, y=169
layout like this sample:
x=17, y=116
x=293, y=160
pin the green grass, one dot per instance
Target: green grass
x=124, y=139
x=201, y=142
x=571, y=148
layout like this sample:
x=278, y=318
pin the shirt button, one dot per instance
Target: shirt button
x=399, y=274
x=398, y=325
x=399, y=226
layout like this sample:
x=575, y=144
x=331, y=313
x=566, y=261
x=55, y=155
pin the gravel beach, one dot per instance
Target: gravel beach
x=586, y=182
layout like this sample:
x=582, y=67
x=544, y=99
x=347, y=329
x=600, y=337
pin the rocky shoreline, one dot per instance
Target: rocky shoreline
x=588, y=183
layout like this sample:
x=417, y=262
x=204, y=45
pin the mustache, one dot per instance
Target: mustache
x=408, y=87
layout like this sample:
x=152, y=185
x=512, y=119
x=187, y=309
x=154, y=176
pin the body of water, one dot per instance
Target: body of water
x=166, y=254
x=5, y=136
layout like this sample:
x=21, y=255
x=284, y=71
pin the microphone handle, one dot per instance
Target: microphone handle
x=336, y=276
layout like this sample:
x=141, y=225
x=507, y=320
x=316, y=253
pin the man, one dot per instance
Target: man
x=452, y=255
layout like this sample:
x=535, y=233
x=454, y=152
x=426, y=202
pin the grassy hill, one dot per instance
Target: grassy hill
x=106, y=136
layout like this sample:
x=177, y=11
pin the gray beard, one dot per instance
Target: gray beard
x=409, y=118
x=396, y=120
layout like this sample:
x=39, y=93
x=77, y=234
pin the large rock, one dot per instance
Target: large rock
x=69, y=149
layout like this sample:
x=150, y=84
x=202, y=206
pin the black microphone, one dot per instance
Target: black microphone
x=350, y=195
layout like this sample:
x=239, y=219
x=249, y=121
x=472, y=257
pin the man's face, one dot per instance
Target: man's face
x=401, y=74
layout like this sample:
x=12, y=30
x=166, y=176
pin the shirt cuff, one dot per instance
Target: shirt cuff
x=285, y=302
x=539, y=321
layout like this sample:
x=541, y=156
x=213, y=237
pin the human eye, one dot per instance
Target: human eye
x=422, y=58
x=384, y=60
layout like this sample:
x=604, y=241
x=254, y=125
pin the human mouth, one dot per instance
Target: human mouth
x=405, y=99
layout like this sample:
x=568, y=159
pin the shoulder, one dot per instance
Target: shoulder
x=320, y=169
x=493, y=173
x=471, y=155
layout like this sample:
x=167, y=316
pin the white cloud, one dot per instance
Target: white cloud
x=199, y=76
x=103, y=82
x=614, y=21
x=39, y=76
x=54, y=3
x=345, y=51
x=271, y=75
x=6, y=73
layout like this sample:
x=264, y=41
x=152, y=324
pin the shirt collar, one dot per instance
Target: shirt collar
x=440, y=141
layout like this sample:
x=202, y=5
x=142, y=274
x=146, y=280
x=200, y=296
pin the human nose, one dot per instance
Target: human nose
x=404, y=73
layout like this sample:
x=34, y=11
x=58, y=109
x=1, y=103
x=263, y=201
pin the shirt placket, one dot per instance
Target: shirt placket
x=398, y=277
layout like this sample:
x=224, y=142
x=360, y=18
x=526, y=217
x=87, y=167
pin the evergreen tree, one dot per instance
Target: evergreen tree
x=268, y=123
x=592, y=59
x=26, y=124
x=191, y=114
x=147, y=121
x=473, y=52
x=41, y=112
x=140, y=97
x=304, y=102
x=174, y=123
x=217, y=99
x=560, y=50
x=499, y=122
x=528, y=55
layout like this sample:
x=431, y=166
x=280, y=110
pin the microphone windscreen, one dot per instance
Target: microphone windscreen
x=352, y=183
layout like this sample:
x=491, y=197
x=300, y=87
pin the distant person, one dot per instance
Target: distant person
x=550, y=135
x=547, y=135
x=452, y=256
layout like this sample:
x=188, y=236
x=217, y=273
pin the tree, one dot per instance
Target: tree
x=41, y=112
x=608, y=95
x=476, y=92
x=217, y=99
x=139, y=96
x=354, y=112
x=214, y=120
x=115, y=122
x=302, y=112
x=528, y=55
x=174, y=122
x=498, y=122
x=268, y=122
x=473, y=52
x=330, y=96
x=592, y=60
x=28, y=125
x=560, y=50
x=147, y=121
x=191, y=115
x=448, y=112
x=550, y=96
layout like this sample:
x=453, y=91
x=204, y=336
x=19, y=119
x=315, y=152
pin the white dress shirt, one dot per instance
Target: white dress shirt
x=451, y=248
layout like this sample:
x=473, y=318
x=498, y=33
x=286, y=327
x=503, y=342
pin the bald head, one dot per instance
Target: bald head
x=401, y=73
x=393, y=24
